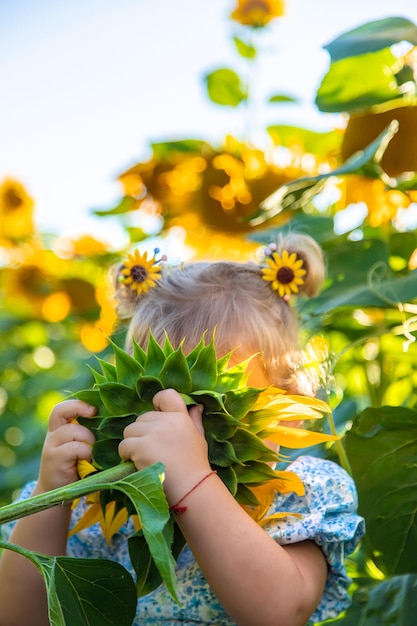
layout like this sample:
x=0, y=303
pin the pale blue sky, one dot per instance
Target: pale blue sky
x=88, y=84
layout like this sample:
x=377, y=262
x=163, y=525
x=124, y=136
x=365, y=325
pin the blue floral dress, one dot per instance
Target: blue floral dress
x=328, y=516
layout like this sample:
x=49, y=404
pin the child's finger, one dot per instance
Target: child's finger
x=170, y=401
x=71, y=432
x=66, y=411
x=196, y=414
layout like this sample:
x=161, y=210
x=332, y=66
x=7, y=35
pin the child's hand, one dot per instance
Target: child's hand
x=65, y=444
x=173, y=436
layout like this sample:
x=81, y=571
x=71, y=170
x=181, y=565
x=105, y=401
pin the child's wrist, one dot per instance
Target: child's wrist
x=179, y=506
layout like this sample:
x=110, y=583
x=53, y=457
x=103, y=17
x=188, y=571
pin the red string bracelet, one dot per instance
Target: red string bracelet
x=176, y=508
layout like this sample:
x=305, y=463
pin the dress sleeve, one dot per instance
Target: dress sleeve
x=329, y=517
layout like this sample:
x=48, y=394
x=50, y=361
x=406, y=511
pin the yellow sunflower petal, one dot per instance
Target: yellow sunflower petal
x=275, y=516
x=112, y=521
x=92, y=515
x=290, y=437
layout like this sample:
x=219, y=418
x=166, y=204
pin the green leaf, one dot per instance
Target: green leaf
x=280, y=98
x=175, y=373
x=371, y=37
x=128, y=369
x=319, y=227
x=359, y=83
x=225, y=87
x=90, y=591
x=385, y=603
x=126, y=205
x=84, y=592
x=166, y=151
x=148, y=497
x=246, y=50
x=317, y=143
x=381, y=447
x=155, y=357
x=204, y=371
x=136, y=234
x=148, y=577
x=118, y=399
x=359, y=275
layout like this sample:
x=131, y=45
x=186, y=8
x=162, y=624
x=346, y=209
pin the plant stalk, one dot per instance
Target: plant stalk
x=94, y=482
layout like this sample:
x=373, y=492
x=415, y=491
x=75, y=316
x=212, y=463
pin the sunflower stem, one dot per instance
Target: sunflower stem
x=94, y=482
x=341, y=452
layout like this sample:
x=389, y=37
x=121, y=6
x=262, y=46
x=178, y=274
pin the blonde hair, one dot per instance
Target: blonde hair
x=231, y=300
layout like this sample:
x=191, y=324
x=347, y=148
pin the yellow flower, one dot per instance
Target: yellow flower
x=284, y=272
x=257, y=13
x=285, y=482
x=139, y=273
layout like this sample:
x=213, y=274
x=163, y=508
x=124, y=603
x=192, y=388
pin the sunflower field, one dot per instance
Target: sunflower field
x=353, y=189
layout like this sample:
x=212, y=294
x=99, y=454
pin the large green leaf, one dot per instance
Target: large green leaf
x=85, y=592
x=359, y=83
x=391, y=602
x=381, y=448
x=153, y=512
x=371, y=37
x=359, y=275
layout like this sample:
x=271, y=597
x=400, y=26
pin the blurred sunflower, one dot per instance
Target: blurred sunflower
x=16, y=212
x=382, y=204
x=257, y=13
x=284, y=272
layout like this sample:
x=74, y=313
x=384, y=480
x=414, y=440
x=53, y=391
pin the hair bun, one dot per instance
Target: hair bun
x=308, y=250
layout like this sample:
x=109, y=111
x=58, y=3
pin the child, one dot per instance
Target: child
x=232, y=570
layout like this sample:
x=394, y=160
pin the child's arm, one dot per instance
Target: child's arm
x=22, y=590
x=256, y=580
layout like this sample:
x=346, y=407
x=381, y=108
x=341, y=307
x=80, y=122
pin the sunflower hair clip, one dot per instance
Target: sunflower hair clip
x=284, y=271
x=139, y=274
